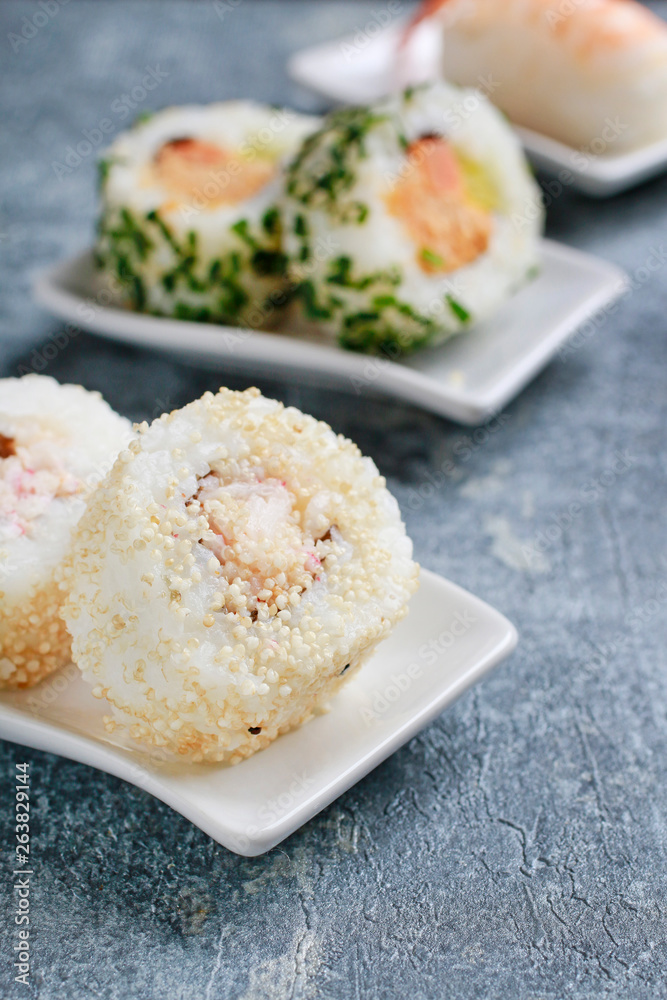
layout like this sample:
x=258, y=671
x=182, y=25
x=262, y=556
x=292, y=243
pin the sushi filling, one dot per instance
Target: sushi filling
x=32, y=476
x=192, y=167
x=269, y=550
x=441, y=203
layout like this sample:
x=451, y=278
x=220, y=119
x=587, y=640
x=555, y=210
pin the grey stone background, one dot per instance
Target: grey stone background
x=516, y=848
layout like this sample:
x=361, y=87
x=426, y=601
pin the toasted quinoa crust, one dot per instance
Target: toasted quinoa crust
x=82, y=435
x=33, y=638
x=189, y=656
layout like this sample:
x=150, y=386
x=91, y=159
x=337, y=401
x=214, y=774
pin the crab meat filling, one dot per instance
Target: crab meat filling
x=32, y=475
x=269, y=548
x=192, y=167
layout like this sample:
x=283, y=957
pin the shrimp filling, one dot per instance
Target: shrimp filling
x=270, y=547
x=32, y=475
x=189, y=168
x=441, y=201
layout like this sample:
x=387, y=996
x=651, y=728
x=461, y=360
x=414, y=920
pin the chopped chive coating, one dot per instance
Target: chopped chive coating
x=459, y=311
x=337, y=148
x=328, y=192
x=142, y=118
x=192, y=287
x=434, y=259
x=271, y=221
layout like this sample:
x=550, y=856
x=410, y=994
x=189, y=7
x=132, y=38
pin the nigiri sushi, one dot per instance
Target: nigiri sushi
x=237, y=565
x=189, y=225
x=592, y=74
x=56, y=443
x=433, y=218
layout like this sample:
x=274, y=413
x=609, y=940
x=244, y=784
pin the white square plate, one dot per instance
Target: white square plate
x=360, y=68
x=468, y=379
x=446, y=644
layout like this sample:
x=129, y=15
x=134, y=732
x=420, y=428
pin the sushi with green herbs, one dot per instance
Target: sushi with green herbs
x=409, y=220
x=190, y=226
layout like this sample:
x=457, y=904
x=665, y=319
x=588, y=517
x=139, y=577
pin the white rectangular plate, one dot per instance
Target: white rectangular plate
x=447, y=642
x=363, y=67
x=468, y=379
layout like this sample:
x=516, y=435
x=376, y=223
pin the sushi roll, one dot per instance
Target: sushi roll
x=56, y=443
x=238, y=564
x=590, y=73
x=431, y=219
x=189, y=225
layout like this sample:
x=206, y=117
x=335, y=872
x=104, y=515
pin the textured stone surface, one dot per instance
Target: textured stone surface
x=516, y=848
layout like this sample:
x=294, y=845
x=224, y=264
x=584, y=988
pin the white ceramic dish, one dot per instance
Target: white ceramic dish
x=252, y=807
x=361, y=68
x=468, y=379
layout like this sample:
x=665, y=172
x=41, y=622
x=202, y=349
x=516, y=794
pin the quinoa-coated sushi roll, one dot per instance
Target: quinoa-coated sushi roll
x=237, y=565
x=189, y=225
x=408, y=220
x=56, y=443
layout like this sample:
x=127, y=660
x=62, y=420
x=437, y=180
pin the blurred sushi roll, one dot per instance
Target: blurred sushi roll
x=56, y=443
x=408, y=220
x=189, y=225
x=589, y=73
x=238, y=564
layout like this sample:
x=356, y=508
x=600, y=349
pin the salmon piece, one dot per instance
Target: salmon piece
x=190, y=168
x=440, y=170
x=431, y=201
